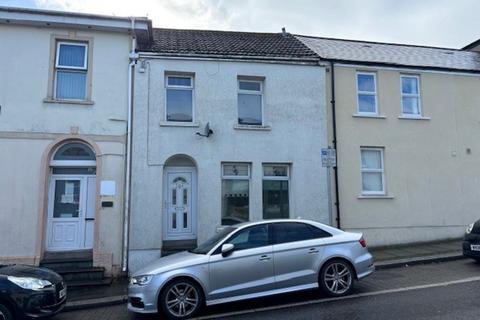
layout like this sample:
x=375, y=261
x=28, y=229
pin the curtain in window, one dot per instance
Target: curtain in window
x=71, y=85
x=71, y=56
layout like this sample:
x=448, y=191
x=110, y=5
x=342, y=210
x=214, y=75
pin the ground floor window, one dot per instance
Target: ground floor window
x=235, y=193
x=373, y=174
x=275, y=191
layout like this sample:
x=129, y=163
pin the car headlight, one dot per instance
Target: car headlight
x=141, y=280
x=470, y=227
x=29, y=283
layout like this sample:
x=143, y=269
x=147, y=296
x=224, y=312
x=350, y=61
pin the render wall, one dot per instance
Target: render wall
x=431, y=166
x=28, y=125
x=294, y=108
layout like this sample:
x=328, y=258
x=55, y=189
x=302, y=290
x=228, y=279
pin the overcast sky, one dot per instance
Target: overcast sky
x=445, y=23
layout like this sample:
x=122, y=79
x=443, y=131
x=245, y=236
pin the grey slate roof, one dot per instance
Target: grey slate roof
x=224, y=44
x=393, y=54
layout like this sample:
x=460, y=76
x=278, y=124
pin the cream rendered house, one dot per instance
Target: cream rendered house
x=407, y=137
x=63, y=123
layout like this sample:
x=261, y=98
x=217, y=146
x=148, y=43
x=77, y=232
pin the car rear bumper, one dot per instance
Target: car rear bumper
x=364, y=265
x=468, y=252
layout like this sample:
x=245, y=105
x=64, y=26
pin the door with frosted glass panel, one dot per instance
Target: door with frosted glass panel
x=66, y=223
x=179, y=205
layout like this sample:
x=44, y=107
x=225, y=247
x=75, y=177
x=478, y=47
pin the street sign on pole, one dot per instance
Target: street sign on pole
x=329, y=157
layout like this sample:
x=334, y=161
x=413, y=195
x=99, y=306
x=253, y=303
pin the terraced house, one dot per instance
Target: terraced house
x=63, y=126
x=407, y=122
x=228, y=127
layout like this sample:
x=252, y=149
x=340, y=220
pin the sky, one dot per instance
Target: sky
x=442, y=23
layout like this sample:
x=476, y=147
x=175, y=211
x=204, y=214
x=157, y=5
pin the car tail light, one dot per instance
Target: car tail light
x=363, y=242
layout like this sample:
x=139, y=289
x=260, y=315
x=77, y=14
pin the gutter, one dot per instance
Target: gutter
x=334, y=129
x=133, y=56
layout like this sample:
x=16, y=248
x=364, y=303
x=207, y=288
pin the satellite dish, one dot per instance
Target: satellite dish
x=206, y=131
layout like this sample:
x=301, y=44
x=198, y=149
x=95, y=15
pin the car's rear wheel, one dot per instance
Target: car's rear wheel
x=181, y=299
x=5, y=313
x=336, y=278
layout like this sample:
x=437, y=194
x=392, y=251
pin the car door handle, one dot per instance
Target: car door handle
x=264, y=257
x=313, y=250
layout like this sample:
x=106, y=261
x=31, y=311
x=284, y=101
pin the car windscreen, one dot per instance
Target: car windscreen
x=208, y=245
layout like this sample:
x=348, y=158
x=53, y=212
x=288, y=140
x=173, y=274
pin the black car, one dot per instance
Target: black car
x=471, y=242
x=30, y=292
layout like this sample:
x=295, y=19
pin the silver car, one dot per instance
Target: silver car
x=251, y=260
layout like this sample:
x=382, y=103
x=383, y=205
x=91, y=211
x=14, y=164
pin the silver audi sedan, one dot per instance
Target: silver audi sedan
x=251, y=260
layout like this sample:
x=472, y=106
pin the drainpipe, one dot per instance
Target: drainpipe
x=133, y=56
x=334, y=128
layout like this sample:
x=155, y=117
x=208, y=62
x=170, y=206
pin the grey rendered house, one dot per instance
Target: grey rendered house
x=228, y=127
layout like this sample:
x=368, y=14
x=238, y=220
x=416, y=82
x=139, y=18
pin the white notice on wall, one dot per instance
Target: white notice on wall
x=107, y=188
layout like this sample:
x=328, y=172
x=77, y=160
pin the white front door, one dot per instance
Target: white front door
x=69, y=205
x=179, y=204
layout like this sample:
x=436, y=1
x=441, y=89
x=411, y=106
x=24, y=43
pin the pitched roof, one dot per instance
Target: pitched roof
x=228, y=44
x=393, y=54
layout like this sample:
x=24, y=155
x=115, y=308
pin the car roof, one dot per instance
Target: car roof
x=311, y=222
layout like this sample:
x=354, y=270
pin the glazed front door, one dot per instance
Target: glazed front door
x=71, y=212
x=179, y=204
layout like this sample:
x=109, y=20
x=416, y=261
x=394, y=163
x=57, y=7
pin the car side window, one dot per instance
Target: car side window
x=295, y=231
x=249, y=238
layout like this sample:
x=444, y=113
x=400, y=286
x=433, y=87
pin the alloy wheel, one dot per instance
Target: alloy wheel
x=182, y=299
x=337, y=278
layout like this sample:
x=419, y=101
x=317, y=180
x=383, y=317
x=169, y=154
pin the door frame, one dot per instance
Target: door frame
x=193, y=234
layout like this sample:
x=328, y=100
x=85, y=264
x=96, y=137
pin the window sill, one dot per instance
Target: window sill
x=82, y=102
x=413, y=118
x=179, y=124
x=375, y=196
x=252, y=127
x=374, y=116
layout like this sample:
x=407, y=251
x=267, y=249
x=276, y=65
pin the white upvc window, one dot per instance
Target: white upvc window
x=179, y=102
x=410, y=91
x=373, y=171
x=367, y=93
x=276, y=181
x=250, y=102
x=71, y=67
x=235, y=193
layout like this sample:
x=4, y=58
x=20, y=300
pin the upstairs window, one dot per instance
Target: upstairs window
x=71, y=67
x=410, y=96
x=366, y=93
x=179, y=98
x=250, y=102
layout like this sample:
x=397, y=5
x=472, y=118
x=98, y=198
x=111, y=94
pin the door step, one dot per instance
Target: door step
x=174, y=246
x=76, y=268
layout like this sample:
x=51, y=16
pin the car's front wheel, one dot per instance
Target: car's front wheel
x=336, y=278
x=181, y=299
x=5, y=313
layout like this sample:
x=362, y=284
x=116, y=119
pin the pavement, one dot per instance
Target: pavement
x=385, y=258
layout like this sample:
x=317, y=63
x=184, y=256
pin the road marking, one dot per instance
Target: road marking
x=353, y=296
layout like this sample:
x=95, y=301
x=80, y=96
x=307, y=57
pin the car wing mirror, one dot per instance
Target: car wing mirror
x=227, y=248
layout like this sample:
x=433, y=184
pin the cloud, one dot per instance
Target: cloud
x=428, y=22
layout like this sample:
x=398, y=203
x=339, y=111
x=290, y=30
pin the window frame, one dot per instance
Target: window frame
x=382, y=171
x=410, y=95
x=375, y=93
x=85, y=69
x=248, y=178
x=277, y=178
x=178, y=87
x=251, y=92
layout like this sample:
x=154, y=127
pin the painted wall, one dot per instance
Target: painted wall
x=28, y=125
x=294, y=108
x=431, y=166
